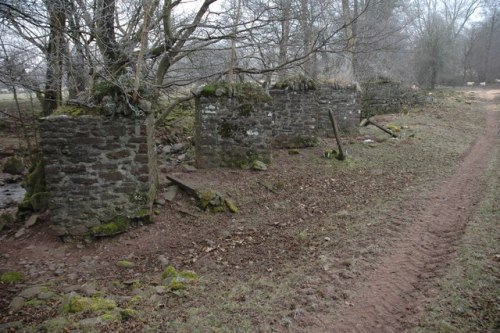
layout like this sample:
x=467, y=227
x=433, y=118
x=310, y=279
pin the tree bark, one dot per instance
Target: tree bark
x=55, y=57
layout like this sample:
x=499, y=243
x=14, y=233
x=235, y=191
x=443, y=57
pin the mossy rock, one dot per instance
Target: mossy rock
x=75, y=304
x=11, y=277
x=142, y=216
x=293, y=152
x=125, y=264
x=13, y=165
x=393, y=128
x=115, y=226
x=231, y=206
x=297, y=83
x=259, y=165
x=211, y=200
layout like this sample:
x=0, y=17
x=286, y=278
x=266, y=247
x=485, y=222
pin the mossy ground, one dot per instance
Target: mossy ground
x=11, y=277
x=116, y=226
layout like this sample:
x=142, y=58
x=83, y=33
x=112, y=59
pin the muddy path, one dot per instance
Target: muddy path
x=388, y=298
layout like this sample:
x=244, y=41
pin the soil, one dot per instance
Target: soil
x=386, y=299
x=319, y=245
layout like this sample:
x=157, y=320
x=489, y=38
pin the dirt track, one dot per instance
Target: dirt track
x=387, y=298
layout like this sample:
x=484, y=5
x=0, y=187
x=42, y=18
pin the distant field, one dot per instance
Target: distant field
x=7, y=103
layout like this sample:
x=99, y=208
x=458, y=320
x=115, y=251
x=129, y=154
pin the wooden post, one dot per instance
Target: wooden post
x=341, y=156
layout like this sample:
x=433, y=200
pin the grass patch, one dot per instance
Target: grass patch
x=468, y=294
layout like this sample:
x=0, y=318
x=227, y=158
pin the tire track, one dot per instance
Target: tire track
x=387, y=297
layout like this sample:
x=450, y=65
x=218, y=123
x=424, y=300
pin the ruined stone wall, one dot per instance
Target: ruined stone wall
x=383, y=97
x=96, y=169
x=302, y=116
x=230, y=132
x=233, y=133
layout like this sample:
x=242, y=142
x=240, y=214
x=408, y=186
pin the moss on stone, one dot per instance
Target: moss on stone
x=11, y=277
x=70, y=110
x=125, y=264
x=168, y=272
x=295, y=83
x=142, y=216
x=211, y=200
x=77, y=303
x=259, y=165
x=393, y=128
x=115, y=226
x=13, y=165
x=175, y=280
x=231, y=206
x=293, y=152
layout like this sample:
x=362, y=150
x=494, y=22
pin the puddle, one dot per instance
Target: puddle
x=11, y=194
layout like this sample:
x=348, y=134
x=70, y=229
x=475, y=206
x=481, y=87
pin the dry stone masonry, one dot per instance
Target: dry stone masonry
x=383, y=96
x=231, y=132
x=98, y=168
x=235, y=133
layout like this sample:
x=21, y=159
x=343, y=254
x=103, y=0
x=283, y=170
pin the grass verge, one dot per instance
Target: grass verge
x=468, y=299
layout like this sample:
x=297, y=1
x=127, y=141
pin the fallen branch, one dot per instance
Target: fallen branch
x=368, y=121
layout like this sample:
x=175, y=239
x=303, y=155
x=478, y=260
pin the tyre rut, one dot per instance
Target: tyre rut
x=385, y=299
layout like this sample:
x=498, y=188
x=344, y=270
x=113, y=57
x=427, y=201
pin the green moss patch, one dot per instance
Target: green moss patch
x=13, y=165
x=125, y=264
x=70, y=110
x=231, y=206
x=211, y=200
x=12, y=277
x=77, y=303
x=175, y=280
x=115, y=226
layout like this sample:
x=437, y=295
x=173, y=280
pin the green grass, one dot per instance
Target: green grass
x=468, y=299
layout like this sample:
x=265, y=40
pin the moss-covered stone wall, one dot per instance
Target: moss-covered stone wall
x=301, y=116
x=97, y=168
x=384, y=96
x=234, y=131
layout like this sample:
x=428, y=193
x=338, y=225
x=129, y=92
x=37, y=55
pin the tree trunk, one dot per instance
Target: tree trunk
x=286, y=7
x=55, y=59
x=232, y=60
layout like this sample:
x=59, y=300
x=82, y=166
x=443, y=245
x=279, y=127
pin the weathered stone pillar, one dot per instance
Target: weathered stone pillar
x=98, y=169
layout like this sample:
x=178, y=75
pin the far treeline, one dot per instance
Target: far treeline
x=163, y=47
